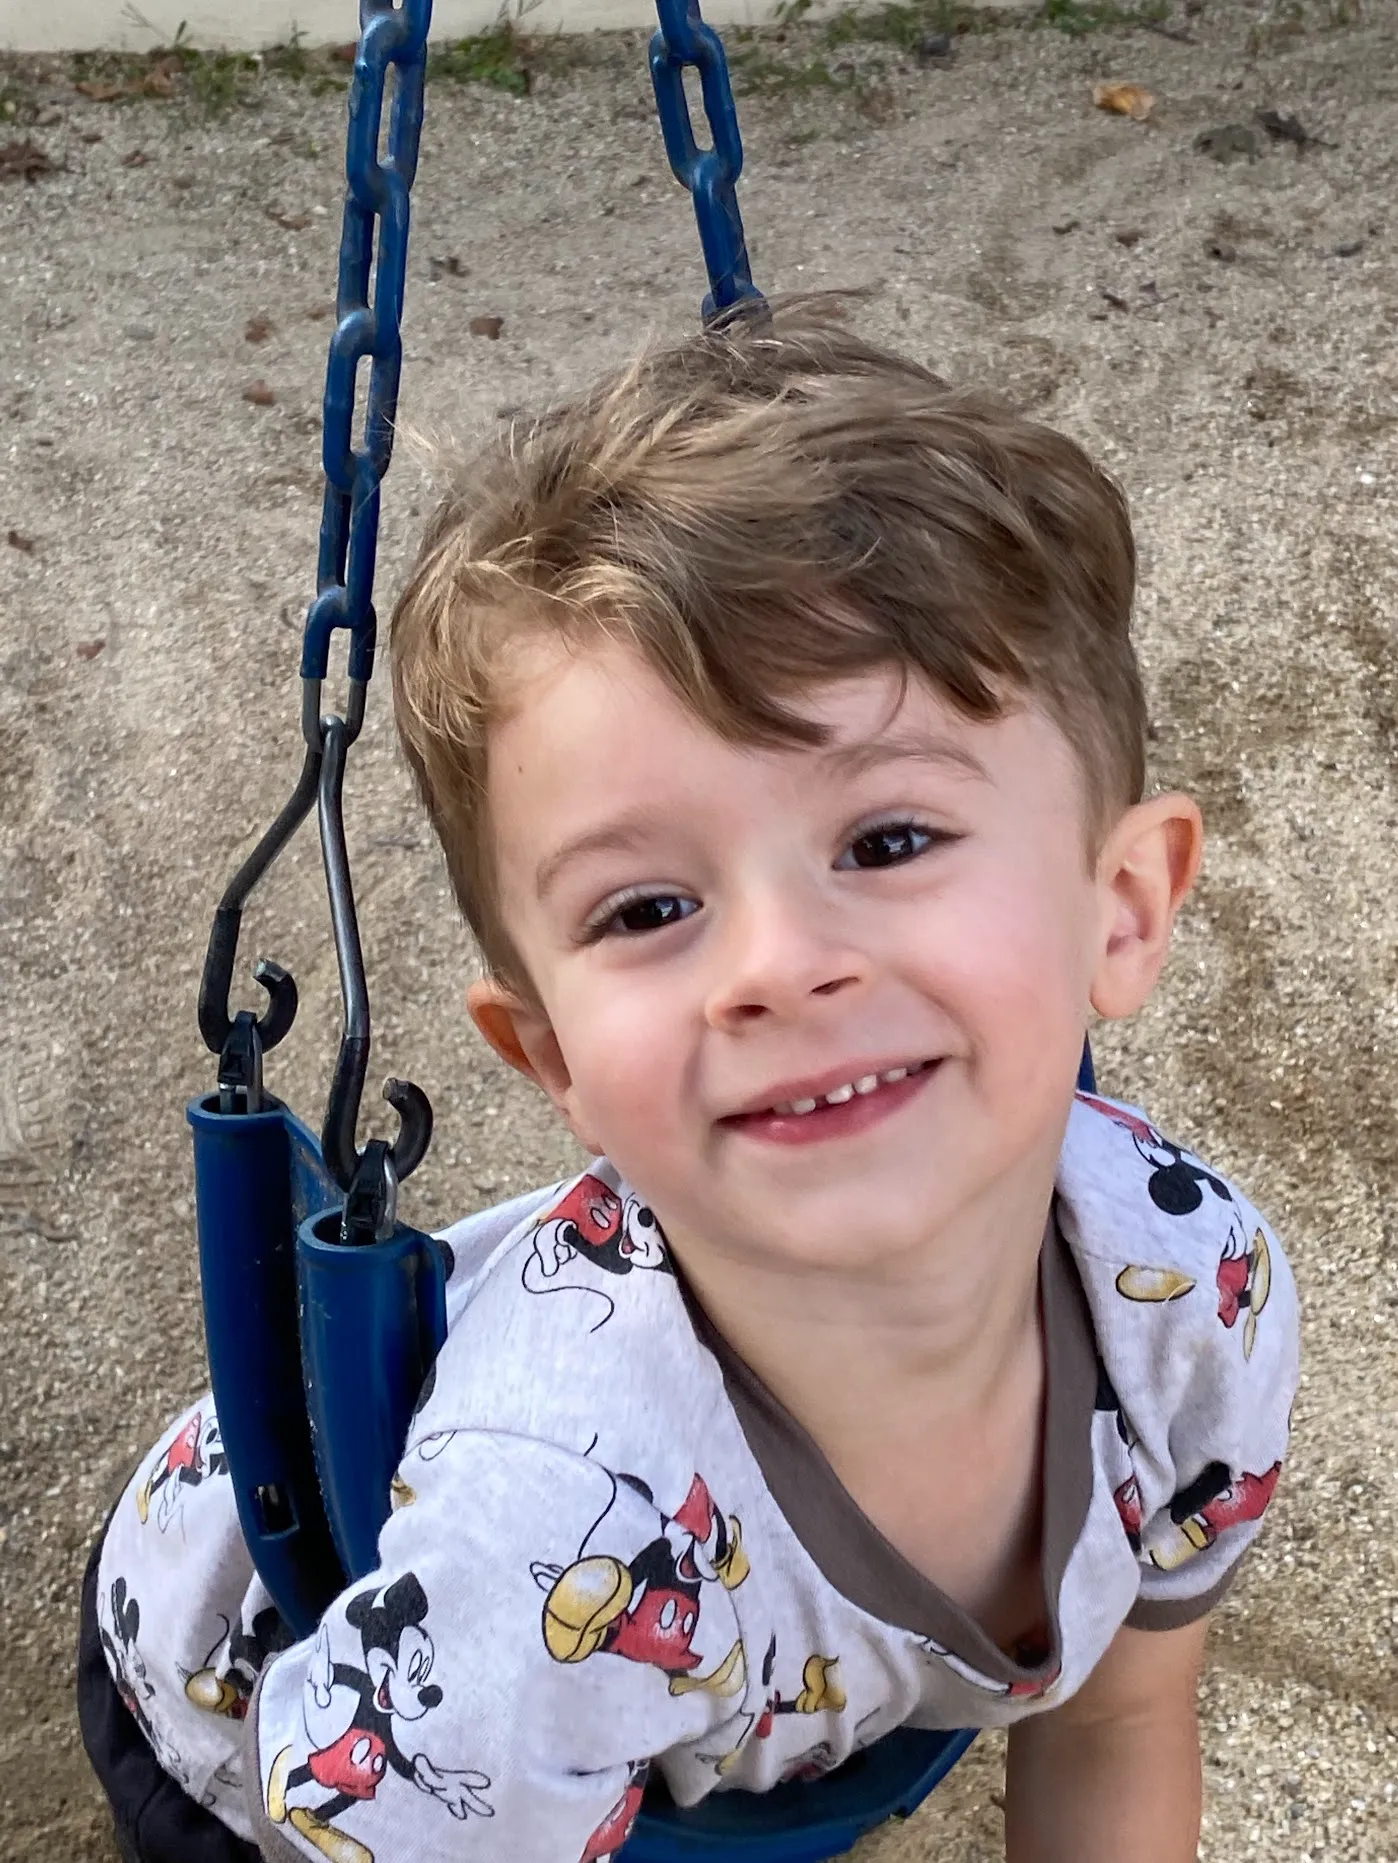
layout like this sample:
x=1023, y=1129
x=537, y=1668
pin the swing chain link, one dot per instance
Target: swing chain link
x=393, y=37
x=711, y=175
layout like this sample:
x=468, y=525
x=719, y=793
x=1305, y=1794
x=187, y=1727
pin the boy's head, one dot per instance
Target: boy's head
x=776, y=708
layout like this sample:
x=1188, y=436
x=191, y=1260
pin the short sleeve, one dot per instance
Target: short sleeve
x=536, y=1631
x=1227, y=1439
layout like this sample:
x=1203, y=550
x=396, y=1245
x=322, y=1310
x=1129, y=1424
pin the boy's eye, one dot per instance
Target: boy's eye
x=650, y=912
x=888, y=845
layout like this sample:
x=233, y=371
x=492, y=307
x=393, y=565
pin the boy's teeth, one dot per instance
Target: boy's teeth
x=837, y=1096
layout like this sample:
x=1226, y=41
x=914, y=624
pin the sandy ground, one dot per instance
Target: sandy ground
x=1242, y=377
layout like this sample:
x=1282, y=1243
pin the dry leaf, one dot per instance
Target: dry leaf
x=258, y=330
x=18, y=541
x=1132, y=100
x=487, y=326
x=89, y=649
x=159, y=81
x=260, y=393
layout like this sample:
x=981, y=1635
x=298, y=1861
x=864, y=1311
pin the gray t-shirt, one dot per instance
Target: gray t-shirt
x=611, y=1545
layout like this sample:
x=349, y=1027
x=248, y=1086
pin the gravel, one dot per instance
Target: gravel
x=1234, y=369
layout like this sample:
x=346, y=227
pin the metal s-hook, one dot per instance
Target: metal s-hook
x=343, y=1160
x=240, y=1041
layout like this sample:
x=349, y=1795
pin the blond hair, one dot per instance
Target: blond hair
x=757, y=509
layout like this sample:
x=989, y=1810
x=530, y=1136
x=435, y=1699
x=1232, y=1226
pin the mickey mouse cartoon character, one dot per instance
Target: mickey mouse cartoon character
x=592, y=1225
x=226, y=1687
x=1175, y=1177
x=820, y=1693
x=1244, y=1282
x=605, y=1843
x=647, y=1609
x=196, y=1455
x=357, y=1719
x=1214, y=1501
x=128, y=1671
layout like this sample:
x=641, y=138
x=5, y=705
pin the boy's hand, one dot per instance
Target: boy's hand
x=1113, y=1776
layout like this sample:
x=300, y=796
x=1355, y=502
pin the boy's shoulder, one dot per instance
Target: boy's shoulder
x=1128, y=1195
x=566, y=1324
x=1192, y=1301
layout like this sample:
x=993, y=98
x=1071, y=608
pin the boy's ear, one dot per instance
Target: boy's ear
x=522, y=1035
x=1146, y=868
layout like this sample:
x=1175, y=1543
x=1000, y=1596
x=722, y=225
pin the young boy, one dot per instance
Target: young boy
x=775, y=706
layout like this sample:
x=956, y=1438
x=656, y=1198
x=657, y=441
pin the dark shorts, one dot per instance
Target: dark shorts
x=156, y=1822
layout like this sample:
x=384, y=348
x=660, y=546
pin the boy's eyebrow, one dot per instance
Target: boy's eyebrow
x=898, y=746
x=613, y=837
x=623, y=833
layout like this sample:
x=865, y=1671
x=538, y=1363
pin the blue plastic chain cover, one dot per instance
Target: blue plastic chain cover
x=711, y=174
x=372, y=1321
x=255, y=1175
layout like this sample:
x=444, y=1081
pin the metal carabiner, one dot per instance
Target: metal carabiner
x=240, y=1041
x=414, y=1109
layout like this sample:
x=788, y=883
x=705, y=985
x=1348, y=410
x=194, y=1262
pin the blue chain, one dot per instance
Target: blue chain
x=390, y=36
x=711, y=175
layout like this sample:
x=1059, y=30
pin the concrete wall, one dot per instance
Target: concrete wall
x=136, y=25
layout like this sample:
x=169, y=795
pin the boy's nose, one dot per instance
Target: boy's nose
x=776, y=960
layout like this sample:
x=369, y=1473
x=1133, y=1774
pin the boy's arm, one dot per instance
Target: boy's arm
x=465, y=1699
x=1113, y=1776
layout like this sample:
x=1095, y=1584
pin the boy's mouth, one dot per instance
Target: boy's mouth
x=844, y=1107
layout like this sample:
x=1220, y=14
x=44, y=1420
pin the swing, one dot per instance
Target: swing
x=308, y=1275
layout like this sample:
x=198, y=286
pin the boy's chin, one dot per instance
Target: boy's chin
x=854, y=1229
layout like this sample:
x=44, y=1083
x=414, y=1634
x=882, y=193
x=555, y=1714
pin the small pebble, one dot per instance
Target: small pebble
x=936, y=48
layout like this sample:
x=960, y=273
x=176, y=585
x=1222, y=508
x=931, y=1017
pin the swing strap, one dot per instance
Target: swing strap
x=711, y=174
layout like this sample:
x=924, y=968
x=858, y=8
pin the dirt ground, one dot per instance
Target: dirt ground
x=1224, y=334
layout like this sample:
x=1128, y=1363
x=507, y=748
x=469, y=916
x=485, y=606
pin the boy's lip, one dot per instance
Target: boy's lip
x=816, y=1086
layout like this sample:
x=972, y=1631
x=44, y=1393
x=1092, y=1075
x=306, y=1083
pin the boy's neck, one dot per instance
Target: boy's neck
x=859, y=1361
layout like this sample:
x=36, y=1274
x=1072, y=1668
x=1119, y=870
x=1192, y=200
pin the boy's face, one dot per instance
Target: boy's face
x=905, y=919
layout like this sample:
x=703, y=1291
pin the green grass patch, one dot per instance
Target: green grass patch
x=1078, y=17
x=760, y=72
x=904, y=26
x=500, y=58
